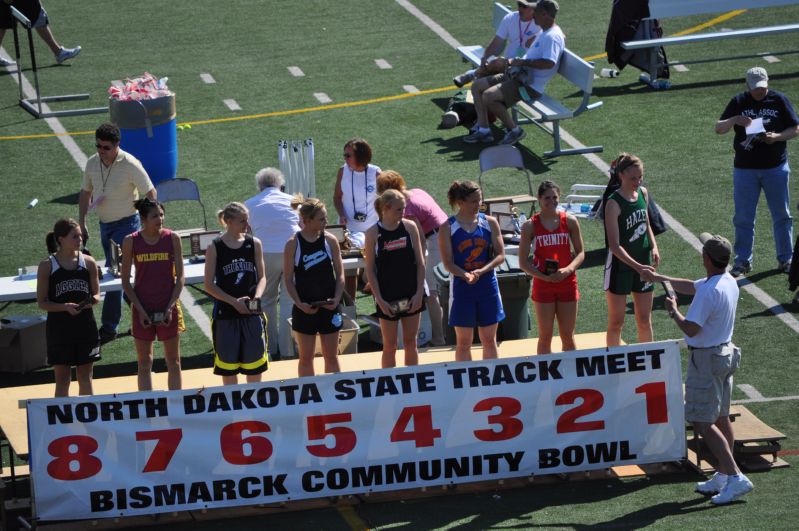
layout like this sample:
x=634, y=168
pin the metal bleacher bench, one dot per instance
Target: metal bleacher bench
x=662, y=9
x=547, y=109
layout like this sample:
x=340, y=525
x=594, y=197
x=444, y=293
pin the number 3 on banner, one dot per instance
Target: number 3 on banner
x=506, y=418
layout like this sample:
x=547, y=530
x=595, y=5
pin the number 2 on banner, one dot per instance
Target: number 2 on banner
x=423, y=433
x=506, y=418
x=592, y=401
x=165, y=448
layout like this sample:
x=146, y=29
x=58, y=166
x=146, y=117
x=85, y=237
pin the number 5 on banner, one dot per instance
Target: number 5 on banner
x=343, y=437
x=165, y=448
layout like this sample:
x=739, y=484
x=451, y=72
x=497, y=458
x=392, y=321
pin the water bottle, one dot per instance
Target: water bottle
x=609, y=72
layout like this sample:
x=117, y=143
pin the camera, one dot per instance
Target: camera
x=254, y=305
x=359, y=216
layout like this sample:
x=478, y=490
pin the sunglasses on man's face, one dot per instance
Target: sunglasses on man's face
x=104, y=147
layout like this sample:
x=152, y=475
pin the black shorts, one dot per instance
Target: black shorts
x=239, y=346
x=32, y=9
x=322, y=322
x=73, y=354
x=399, y=316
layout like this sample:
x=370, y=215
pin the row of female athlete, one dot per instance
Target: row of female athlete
x=470, y=247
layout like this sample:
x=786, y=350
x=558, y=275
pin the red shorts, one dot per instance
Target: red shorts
x=162, y=332
x=564, y=291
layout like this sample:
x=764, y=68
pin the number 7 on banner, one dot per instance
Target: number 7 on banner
x=165, y=448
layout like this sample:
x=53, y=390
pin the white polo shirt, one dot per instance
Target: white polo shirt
x=713, y=308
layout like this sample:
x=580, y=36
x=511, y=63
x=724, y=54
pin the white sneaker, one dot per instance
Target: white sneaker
x=736, y=487
x=66, y=53
x=713, y=485
x=6, y=62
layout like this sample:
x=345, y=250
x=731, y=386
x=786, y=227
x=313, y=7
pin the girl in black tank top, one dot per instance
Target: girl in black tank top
x=314, y=278
x=395, y=269
x=235, y=278
x=67, y=288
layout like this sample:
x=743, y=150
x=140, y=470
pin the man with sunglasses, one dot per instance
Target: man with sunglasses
x=112, y=181
x=515, y=34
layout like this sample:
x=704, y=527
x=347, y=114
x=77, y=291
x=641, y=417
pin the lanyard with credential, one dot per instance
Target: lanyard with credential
x=365, y=189
x=523, y=33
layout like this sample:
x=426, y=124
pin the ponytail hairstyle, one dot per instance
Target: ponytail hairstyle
x=307, y=207
x=386, y=199
x=230, y=211
x=548, y=185
x=622, y=163
x=61, y=229
x=144, y=205
x=460, y=190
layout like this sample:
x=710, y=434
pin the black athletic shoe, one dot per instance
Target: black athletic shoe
x=106, y=336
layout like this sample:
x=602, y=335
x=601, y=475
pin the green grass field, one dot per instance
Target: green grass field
x=247, y=46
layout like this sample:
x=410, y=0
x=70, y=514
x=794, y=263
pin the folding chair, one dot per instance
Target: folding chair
x=182, y=189
x=506, y=156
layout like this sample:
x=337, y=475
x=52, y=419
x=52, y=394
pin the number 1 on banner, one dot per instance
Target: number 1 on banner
x=423, y=433
x=657, y=412
x=165, y=448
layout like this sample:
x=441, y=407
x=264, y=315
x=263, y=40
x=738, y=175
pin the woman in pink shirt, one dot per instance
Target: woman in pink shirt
x=421, y=208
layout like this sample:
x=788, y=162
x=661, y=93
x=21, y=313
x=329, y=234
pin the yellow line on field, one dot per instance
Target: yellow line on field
x=345, y=105
x=353, y=520
x=694, y=29
x=290, y=112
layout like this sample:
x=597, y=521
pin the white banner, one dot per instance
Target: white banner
x=142, y=453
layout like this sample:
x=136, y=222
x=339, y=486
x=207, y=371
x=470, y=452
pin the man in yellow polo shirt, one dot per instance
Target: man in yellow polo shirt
x=112, y=181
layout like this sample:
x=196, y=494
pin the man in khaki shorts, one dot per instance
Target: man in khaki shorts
x=708, y=327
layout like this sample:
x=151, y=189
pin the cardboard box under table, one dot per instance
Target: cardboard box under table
x=23, y=344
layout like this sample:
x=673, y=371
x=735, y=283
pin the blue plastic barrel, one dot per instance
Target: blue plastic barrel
x=149, y=132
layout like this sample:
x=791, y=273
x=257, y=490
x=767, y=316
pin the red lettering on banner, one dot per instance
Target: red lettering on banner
x=232, y=443
x=506, y=418
x=165, y=448
x=423, y=433
x=592, y=402
x=657, y=411
x=62, y=450
x=344, y=438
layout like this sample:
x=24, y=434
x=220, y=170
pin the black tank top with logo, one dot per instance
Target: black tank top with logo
x=236, y=275
x=395, y=262
x=314, y=277
x=70, y=286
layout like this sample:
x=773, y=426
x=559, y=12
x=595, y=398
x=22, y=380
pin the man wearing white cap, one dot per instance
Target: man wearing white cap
x=714, y=358
x=764, y=121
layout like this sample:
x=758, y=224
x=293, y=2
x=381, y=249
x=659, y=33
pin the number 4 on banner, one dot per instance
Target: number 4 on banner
x=423, y=433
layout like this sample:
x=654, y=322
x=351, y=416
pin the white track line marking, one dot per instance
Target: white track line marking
x=382, y=64
x=410, y=88
x=762, y=400
x=750, y=391
x=196, y=312
x=680, y=68
x=771, y=59
x=322, y=97
x=207, y=78
x=80, y=159
x=296, y=71
x=232, y=105
x=760, y=295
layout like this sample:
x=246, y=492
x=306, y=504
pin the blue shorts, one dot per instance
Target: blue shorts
x=470, y=311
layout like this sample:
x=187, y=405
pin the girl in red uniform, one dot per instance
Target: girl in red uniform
x=157, y=256
x=551, y=234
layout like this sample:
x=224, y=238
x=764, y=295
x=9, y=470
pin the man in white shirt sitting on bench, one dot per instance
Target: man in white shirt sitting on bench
x=526, y=80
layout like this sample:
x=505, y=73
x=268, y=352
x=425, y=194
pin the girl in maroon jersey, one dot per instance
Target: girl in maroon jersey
x=157, y=256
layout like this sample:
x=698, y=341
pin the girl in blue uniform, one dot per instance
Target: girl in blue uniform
x=395, y=269
x=471, y=247
x=67, y=288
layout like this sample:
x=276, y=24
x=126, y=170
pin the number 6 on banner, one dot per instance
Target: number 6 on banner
x=232, y=442
x=165, y=448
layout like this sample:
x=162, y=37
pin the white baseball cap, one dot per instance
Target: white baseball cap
x=757, y=77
